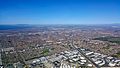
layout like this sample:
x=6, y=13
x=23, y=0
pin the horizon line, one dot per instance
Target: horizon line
x=64, y=24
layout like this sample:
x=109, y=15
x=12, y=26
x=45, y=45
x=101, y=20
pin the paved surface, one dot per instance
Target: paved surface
x=95, y=65
x=0, y=59
x=88, y=59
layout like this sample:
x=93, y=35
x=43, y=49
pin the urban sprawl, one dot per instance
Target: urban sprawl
x=63, y=46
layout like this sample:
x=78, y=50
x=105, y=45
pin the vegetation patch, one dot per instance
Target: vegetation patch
x=109, y=39
x=117, y=55
x=45, y=52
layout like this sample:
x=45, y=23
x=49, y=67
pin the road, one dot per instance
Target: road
x=95, y=65
x=0, y=59
x=88, y=59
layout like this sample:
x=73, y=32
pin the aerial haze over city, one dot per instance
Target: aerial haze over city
x=59, y=34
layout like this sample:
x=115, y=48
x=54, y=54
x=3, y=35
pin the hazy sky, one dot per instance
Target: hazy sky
x=59, y=11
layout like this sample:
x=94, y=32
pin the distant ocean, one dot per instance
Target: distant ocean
x=21, y=26
x=7, y=27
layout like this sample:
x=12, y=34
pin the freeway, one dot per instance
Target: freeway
x=75, y=47
x=97, y=66
x=0, y=59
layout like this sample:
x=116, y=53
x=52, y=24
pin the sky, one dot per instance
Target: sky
x=59, y=11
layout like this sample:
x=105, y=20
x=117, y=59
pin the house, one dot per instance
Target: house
x=43, y=60
x=112, y=64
